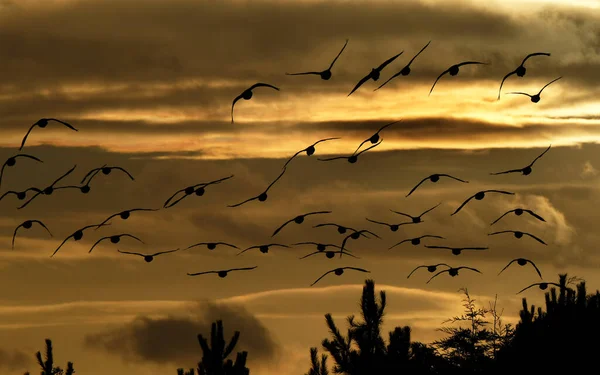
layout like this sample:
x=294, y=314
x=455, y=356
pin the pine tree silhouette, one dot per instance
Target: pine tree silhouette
x=47, y=364
x=318, y=367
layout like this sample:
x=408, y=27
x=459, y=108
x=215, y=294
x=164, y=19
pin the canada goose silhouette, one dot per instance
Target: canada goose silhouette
x=375, y=72
x=222, y=273
x=27, y=224
x=48, y=190
x=127, y=213
x=354, y=157
x=339, y=272
x=456, y=250
x=299, y=220
x=535, y=97
x=114, y=239
x=479, y=196
x=542, y=286
x=310, y=150
x=11, y=161
x=247, y=94
x=76, y=236
x=520, y=70
x=211, y=245
x=105, y=171
x=519, y=212
x=198, y=189
x=521, y=262
x=325, y=74
x=262, y=196
x=416, y=240
x=148, y=257
x=42, y=123
x=21, y=195
x=330, y=254
x=340, y=228
x=406, y=70
x=375, y=137
x=320, y=246
x=525, y=170
x=453, y=70
x=416, y=219
x=393, y=227
x=263, y=248
x=435, y=178
x=453, y=272
x=519, y=234
x=431, y=268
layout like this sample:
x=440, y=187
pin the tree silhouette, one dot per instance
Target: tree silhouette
x=318, y=367
x=47, y=364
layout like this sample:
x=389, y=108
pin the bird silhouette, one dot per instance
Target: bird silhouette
x=520, y=70
x=453, y=70
x=453, y=271
x=455, y=250
x=375, y=137
x=48, y=190
x=11, y=161
x=435, y=178
x=522, y=262
x=211, y=245
x=310, y=150
x=355, y=236
x=519, y=234
x=393, y=227
x=263, y=248
x=325, y=74
x=148, y=257
x=262, y=196
x=535, y=97
x=114, y=239
x=42, y=123
x=247, y=94
x=299, y=220
x=406, y=70
x=416, y=240
x=479, y=196
x=105, y=171
x=416, y=219
x=27, y=224
x=198, y=189
x=525, y=170
x=431, y=268
x=542, y=286
x=222, y=273
x=340, y=228
x=329, y=254
x=84, y=189
x=77, y=235
x=354, y=157
x=375, y=72
x=339, y=272
x=21, y=195
x=519, y=212
x=125, y=214
x=320, y=246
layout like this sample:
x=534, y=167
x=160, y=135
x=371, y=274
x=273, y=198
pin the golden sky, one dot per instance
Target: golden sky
x=149, y=86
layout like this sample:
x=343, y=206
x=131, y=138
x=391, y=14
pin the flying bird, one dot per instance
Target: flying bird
x=416, y=219
x=393, y=227
x=453, y=70
x=340, y=228
x=310, y=150
x=222, y=273
x=542, y=286
x=13, y=160
x=525, y=170
x=212, y=245
x=329, y=254
x=84, y=189
x=522, y=262
x=431, y=268
x=406, y=70
x=114, y=239
x=198, y=189
x=456, y=250
x=354, y=157
x=148, y=257
x=125, y=214
x=299, y=220
x=479, y=196
x=48, y=190
x=105, y=171
x=519, y=234
x=247, y=94
x=325, y=74
x=41, y=123
x=27, y=224
x=21, y=195
x=375, y=73
x=355, y=236
x=320, y=246
x=453, y=271
x=339, y=272
x=375, y=137
x=519, y=212
x=535, y=97
x=262, y=196
x=77, y=235
x=416, y=241
x=263, y=248
x=435, y=178
x=520, y=70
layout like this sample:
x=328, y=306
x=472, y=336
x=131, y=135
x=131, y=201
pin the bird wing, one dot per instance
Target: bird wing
x=28, y=156
x=274, y=181
x=548, y=84
x=504, y=214
x=416, y=186
x=97, y=242
x=59, y=246
x=338, y=55
x=175, y=201
x=438, y=247
x=457, y=179
x=430, y=209
x=470, y=63
x=432, y=236
x=357, y=269
x=172, y=196
x=201, y=273
x=2, y=172
x=362, y=233
x=411, y=272
x=124, y=171
x=377, y=222
x=534, y=215
x=534, y=54
x=422, y=49
x=64, y=175
x=388, y=61
x=278, y=244
x=504, y=79
x=463, y=204
x=437, y=79
x=317, y=213
x=511, y=262
x=324, y=140
x=499, y=192
x=432, y=277
x=260, y=84
x=27, y=135
x=281, y=227
x=536, y=269
x=7, y=193
x=313, y=253
x=518, y=93
x=542, y=154
x=94, y=172
x=246, y=201
x=108, y=218
x=503, y=231
x=43, y=225
x=227, y=244
x=15, y=234
x=368, y=148
x=400, y=243
x=30, y=199
x=140, y=209
x=360, y=83
x=468, y=268
x=334, y=158
x=402, y=213
x=64, y=123
x=128, y=252
x=165, y=252
x=524, y=289
x=509, y=171
x=131, y=236
x=233, y=104
x=303, y=73
x=218, y=181
x=241, y=269
x=322, y=276
x=250, y=248
x=292, y=158
x=535, y=238
x=389, y=79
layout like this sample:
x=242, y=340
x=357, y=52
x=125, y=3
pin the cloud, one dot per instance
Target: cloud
x=588, y=170
x=14, y=360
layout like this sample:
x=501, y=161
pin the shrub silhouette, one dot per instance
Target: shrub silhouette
x=47, y=365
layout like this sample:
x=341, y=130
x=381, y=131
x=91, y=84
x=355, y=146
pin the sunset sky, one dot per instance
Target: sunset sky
x=149, y=86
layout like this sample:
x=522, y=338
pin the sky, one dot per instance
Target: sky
x=149, y=86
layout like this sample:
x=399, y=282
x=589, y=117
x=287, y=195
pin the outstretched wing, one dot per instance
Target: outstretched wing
x=233, y=105
x=322, y=276
x=422, y=49
x=59, y=246
x=534, y=266
x=542, y=154
x=454, y=178
x=535, y=238
x=437, y=79
x=15, y=234
x=124, y=171
x=504, y=79
x=534, y=215
x=524, y=289
x=388, y=61
x=338, y=55
x=518, y=93
x=548, y=84
x=246, y=201
x=202, y=273
x=97, y=242
x=260, y=84
x=504, y=214
x=241, y=269
x=165, y=252
x=360, y=83
x=463, y=204
x=281, y=227
x=90, y=172
x=430, y=209
x=302, y=74
x=411, y=272
x=511, y=262
x=27, y=135
x=509, y=171
x=64, y=123
x=439, y=273
x=415, y=188
x=43, y=226
x=534, y=54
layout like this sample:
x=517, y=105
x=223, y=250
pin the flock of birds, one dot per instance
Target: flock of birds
x=321, y=248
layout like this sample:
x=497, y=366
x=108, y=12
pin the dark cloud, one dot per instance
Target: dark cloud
x=14, y=360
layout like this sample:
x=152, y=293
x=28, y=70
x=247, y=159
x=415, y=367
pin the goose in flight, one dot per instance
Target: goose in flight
x=114, y=239
x=520, y=70
x=299, y=220
x=198, y=189
x=525, y=170
x=27, y=224
x=222, y=273
x=42, y=123
x=416, y=241
x=262, y=196
x=479, y=196
x=211, y=245
x=453, y=70
x=521, y=262
x=393, y=227
x=375, y=137
x=519, y=212
x=263, y=248
x=11, y=161
x=325, y=74
x=435, y=178
x=375, y=72
x=339, y=272
x=431, y=268
x=48, y=190
x=416, y=219
x=105, y=171
x=406, y=70
x=77, y=235
x=21, y=195
x=535, y=97
x=354, y=157
x=455, y=250
x=127, y=213
x=519, y=234
x=453, y=271
x=148, y=257
x=310, y=150
x=247, y=94
x=542, y=286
